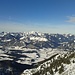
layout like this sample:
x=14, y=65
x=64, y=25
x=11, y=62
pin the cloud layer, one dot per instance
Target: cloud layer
x=71, y=19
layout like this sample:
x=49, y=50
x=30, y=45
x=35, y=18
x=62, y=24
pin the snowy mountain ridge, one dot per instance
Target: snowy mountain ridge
x=37, y=40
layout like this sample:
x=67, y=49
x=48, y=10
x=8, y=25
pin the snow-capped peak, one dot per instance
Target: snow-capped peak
x=35, y=33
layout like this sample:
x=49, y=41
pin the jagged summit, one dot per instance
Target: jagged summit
x=35, y=33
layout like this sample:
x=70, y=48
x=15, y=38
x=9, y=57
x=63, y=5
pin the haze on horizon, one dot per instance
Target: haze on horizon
x=52, y=16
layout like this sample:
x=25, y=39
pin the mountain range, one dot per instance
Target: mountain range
x=37, y=40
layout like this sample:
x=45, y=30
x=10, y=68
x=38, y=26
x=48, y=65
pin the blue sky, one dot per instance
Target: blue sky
x=52, y=16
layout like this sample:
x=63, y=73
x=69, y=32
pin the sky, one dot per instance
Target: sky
x=51, y=16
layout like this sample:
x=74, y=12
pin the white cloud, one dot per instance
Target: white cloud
x=71, y=19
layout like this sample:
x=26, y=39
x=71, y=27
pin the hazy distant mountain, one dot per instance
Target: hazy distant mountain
x=37, y=40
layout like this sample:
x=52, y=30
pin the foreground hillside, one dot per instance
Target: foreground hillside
x=60, y=64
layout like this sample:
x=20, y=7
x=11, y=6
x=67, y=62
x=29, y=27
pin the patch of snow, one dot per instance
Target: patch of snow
x=22, y=38
x=38, y=38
